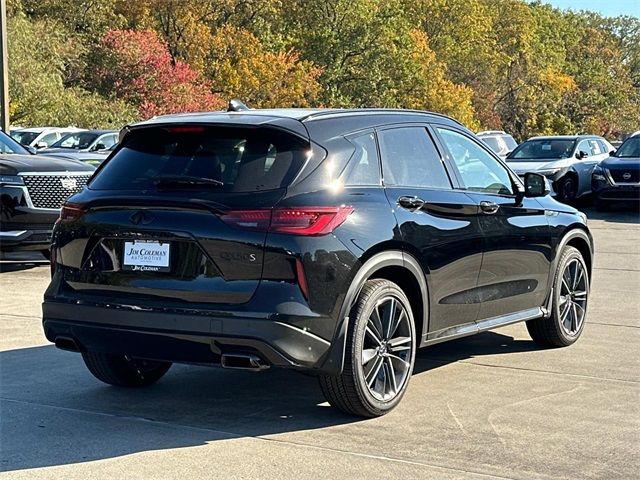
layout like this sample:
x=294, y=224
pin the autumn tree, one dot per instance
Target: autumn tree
x=136, y=66
x=239, y=66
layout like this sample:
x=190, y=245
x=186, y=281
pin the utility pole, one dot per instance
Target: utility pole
x=4, y=69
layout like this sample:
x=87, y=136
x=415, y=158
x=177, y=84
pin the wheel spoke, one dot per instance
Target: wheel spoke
x=566, y=314
x=373, y=373
x=399, y=344
x=397, y=322
x=580, y=295
x=579, y=276
x=376, y=323
x=574, y=318
x=402, y=362
x=368, y=355
x=389, y=317
x=392, y=376
x=368, y=331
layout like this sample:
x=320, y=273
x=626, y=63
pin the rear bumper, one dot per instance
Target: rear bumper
x=183, y=338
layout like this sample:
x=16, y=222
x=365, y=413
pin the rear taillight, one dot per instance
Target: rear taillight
x=70, y=211
x=296, y=221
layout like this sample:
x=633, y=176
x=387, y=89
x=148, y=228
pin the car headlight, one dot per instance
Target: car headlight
x=549, y=172
x=599, y=174
x=11, y=180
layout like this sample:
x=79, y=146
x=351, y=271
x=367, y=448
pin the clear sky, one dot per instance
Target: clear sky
x=609, y=8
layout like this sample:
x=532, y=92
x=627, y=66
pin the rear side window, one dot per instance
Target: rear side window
x=364, y=166
x=410, y=159
x=244, y=160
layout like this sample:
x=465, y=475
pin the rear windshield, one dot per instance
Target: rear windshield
x=543, y=149
x=242, y=159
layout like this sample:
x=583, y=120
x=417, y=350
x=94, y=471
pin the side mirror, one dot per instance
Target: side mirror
x=99, y=146
x=41, y=144
x=581, y=154
x=535, y=185
x=612, y=153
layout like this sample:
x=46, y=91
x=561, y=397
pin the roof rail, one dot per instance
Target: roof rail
x=360, y=111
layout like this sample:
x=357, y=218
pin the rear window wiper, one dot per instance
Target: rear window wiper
x=185, y=181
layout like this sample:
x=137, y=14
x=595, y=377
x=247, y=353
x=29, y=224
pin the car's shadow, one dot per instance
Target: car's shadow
x=55, y=413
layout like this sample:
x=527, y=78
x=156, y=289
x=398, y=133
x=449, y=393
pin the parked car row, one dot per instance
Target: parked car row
x=575, y=165
x=90, y=146
x=32, y=191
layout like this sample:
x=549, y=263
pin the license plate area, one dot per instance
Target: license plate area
x=146, y=256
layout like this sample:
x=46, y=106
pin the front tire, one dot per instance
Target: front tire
x=569, y=309
x=567, y=189
x=379, y=355
x=124, y=371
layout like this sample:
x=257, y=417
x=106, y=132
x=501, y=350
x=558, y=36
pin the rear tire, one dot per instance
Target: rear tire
x=124, y=371
x=569, y=307
x=379, y=354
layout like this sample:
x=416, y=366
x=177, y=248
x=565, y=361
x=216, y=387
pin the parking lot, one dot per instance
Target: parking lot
x=489, y=406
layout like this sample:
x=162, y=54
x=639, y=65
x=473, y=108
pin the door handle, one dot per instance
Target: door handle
x=489, y=207
x=411, y=203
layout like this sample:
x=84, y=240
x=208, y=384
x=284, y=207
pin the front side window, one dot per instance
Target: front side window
x=410, y=159
x=77, y=141
x=585, y=147
x=479, y=170
x=9, y=145
x=364, y=166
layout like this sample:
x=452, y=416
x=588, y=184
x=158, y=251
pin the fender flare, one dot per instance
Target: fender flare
x=573, y=232
x=334, y=361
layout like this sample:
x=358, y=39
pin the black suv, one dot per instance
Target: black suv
x=331, y=241
x=32, y=190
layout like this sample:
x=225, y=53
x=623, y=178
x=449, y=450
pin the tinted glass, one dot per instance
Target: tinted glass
x=479, y=170
x=9, y=145
x=24, y=138
x=543, y=149
x=509, y=142
x=493, y=143
x=364, y=166
x=584, y=146
x=630, y=148
x=78, y=141
x=245, y=160
x=409, y=158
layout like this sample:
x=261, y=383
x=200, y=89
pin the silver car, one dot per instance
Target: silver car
x=499, y=141
x=567, y=161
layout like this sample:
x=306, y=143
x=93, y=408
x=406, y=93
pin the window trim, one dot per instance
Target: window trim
x=349, y=138
x=516, y=184
x=453, y=181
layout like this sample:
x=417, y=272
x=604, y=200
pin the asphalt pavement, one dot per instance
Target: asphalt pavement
x=489, y=406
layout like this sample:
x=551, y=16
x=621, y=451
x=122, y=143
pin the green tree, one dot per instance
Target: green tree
x=36, y=89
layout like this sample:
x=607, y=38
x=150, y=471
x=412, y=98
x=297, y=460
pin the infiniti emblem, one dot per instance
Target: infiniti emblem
x=69, y=183
x=626, y=175
x=141, y=217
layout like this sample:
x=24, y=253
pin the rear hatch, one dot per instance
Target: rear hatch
x=177, y=215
